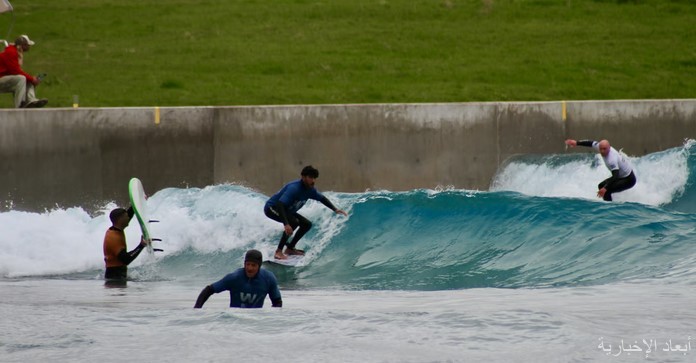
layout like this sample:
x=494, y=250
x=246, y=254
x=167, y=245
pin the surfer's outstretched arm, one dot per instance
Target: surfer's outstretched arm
x=326, y=202
x=203, y=296
x=574, y=143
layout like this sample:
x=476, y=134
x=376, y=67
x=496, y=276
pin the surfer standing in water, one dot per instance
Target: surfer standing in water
x=622, y=176
x=283, y=206
x=248, y=286
x=116, y=257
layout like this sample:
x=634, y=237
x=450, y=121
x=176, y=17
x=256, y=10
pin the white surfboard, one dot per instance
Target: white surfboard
x=137, y=198
x=292, y=261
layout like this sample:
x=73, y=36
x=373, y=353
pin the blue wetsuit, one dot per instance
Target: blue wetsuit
x=248, y=292
x=283, y=206
x=294, y=195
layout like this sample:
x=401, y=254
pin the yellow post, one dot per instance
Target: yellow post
x=563, y=112
x=157, y=115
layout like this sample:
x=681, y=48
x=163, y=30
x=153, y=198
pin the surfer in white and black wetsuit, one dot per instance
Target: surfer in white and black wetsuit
x=116, y=257
x=622, y=176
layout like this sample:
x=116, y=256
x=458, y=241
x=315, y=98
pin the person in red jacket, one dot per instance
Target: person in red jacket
x=14, y=79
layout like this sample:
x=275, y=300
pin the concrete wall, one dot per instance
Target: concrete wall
x=84, y=157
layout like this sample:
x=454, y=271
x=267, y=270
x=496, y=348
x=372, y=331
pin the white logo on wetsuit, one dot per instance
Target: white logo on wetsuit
x=248, y=298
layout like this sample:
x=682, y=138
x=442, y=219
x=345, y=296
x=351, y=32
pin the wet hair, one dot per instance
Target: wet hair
x=310, y=171
x=116, y=214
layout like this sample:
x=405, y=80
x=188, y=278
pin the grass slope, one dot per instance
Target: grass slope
x=247, y=52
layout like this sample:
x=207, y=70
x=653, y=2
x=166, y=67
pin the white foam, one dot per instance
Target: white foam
x=58, y=241
x=661, y=177
x=217, y=218
x=214, y=219
x=222, y=218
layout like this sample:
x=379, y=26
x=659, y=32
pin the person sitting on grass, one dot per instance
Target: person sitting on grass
x=15, y=80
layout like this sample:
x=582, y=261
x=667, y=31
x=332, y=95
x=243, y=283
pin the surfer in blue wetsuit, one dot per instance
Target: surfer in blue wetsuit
x=248, y=286
x=622, y=176
x=283, y=206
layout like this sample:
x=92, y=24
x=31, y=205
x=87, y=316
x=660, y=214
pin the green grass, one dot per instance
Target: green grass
x=251, y=52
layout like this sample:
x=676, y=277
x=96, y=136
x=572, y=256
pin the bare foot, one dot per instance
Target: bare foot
x=294, y=252
x=280, y=256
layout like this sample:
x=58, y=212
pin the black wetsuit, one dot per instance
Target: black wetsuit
x=614, y=184
x=622, y=176
x=121, y=272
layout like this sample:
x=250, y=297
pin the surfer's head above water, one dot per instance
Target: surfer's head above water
x=310, y=171
x=604, y=147
x=309, y=174
x=252, y=263
x=116, y=214
x=253, y=256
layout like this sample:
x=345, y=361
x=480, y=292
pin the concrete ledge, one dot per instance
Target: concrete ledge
x=85, y=156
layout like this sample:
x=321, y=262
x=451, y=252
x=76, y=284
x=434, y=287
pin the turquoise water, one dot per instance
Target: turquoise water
x=534, y=268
